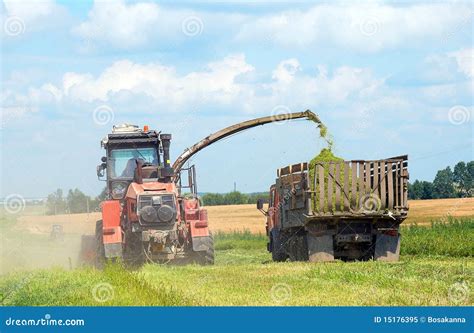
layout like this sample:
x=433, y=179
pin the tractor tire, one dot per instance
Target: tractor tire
x=298, y=247
x=279, y=243
x=99, y=261
x=206, y=257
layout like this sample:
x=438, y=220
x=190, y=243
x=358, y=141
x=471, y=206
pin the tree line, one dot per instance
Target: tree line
x=232, y=198
x=456, y=183
x=75, y=201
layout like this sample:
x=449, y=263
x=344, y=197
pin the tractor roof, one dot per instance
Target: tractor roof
x=127, y=134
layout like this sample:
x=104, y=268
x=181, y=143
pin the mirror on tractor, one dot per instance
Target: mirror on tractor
x=260, y=206
x=101, y=168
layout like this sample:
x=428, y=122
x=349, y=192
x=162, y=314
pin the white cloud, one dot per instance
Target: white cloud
x=217, y=83
x=33, y=15
x=144, y=24
x=465, y=61
x=364, y=27
x=119, y=24
x=223, y=84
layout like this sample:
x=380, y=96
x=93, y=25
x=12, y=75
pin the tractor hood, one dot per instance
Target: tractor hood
x=152, y=187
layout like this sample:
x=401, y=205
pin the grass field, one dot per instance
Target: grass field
x=436, y=268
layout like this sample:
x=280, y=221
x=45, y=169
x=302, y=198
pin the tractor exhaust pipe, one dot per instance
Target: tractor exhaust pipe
x=167, y=170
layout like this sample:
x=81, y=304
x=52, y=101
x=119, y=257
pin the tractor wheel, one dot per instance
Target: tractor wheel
x=278, y=242
x=99, y=243
x=206, y=257
x=298, y=247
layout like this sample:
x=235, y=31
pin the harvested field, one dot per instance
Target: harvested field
x=247, y=217
x=439, y=274
x=435, y=263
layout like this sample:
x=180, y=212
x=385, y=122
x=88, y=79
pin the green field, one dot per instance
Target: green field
x=436, y=268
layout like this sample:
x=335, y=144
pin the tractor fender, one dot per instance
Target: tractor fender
x=200, y=235
x=111, y=229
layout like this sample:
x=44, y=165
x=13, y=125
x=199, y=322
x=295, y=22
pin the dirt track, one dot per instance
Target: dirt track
x=246, y=217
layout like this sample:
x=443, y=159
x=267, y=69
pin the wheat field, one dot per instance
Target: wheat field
x=245, y=217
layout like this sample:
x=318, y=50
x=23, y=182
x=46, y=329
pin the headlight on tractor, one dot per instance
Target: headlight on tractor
x=118, y=190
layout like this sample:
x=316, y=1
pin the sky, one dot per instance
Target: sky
x=387, y=78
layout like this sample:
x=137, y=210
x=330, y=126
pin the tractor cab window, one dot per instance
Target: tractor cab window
x=122, y=162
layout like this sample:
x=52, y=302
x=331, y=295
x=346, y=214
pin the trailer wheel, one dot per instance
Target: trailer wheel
x=206, y=257
x=278, y=243
x=99, y=243
x=298, y=247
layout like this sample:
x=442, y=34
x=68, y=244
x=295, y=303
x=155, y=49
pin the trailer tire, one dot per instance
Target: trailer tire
x=278, y=242
x=99, y=261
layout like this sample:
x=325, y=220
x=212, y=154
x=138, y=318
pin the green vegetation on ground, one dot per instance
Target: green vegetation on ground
x=435, y=264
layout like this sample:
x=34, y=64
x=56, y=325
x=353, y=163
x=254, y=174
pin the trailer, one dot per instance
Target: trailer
x=348, y=210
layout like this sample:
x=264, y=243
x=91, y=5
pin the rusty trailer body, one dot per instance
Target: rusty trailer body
x=348, y=210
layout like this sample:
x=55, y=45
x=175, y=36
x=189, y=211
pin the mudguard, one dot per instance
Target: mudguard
x=200, y=235
x=387, y=247
x=320, y=248
x=112, y=232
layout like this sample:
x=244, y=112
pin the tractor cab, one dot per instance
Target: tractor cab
x=134, y=155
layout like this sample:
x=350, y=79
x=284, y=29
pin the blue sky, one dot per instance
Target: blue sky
x=388, y=78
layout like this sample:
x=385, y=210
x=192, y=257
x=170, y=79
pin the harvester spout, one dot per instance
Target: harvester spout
x=223, y=133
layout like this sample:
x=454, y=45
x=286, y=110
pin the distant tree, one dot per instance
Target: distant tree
x=427, y=190
x=55, y=203
x=443, y=184
x=213, y=199
x=235, y=198
x=420, y=190
x=77, y=201
x=253, y=197
x=415, y=190
x=460, y=177
x=470, y=178
x=94, y=204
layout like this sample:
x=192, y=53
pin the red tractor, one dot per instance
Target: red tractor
x=146, y=216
